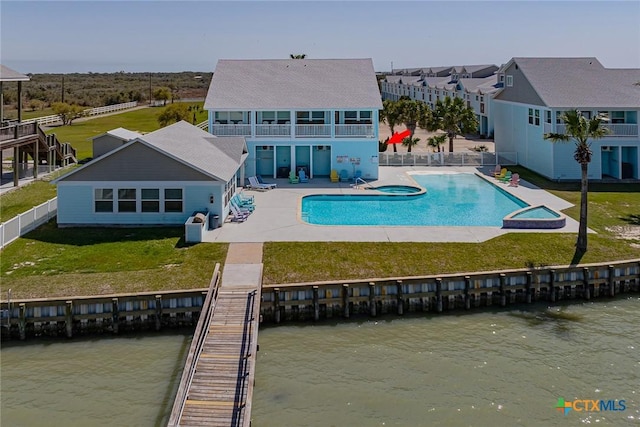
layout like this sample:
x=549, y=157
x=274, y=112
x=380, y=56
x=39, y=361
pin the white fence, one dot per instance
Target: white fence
x=462, y=158
x=25, y=222
x=89, y=112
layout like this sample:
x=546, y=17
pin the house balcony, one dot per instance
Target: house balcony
x=615, y=129
x=301, y=131
x=357, y=131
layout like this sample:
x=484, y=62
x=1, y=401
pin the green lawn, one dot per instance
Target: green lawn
x=80, y=134
x=13, y=113
x=56, y=262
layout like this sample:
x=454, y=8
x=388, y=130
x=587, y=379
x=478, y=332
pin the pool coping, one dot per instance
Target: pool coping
x=277, y=214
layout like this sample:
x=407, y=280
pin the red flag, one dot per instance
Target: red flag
x=397, y=138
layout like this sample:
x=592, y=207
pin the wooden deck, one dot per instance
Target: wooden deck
x=221, y=386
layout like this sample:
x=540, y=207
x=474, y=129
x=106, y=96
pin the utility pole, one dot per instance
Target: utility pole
x=149, y=89
x=391, y=67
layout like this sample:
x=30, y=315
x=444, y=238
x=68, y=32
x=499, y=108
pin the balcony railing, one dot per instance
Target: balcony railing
x=231, y=130
x=301, y=131
x=273, y=130
x=313, y=131
x=363, y=130
x=615, y=129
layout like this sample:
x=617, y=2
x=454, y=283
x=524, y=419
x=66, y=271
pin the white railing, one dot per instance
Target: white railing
x=45, y=120
x=27, y=221
x=615, y=129
x=204, y=125
x=547, y=128
x=448, y=159
x=363, y=130
x=231, y=130
x=273, y=130
x=311, y=131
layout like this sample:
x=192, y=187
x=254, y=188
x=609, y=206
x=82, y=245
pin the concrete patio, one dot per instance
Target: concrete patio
x=277, y=214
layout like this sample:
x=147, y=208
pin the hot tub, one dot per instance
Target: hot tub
x=540, y=217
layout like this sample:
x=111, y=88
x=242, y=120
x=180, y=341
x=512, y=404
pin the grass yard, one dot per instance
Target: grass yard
x=52, y=262
x=80, y=133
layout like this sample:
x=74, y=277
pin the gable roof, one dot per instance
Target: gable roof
x=121, y=133
x=293, y=84
x=480, y=85
x=9, y=75
x=580, y=82
x=216, y=157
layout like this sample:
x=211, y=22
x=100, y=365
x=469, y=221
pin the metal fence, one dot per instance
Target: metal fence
x=448, y=159
x=25, y=222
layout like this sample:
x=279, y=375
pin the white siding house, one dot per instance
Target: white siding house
x=538, y=90
x=160, y=178
x=313, y=114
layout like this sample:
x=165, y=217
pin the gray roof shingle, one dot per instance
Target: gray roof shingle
x=581, y=83
x=293, y=84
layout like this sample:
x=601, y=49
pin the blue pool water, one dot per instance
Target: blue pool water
x=398, y=189
x=541, y=212
x=450, y=200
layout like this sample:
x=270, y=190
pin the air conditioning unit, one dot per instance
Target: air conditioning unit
x=606, y=148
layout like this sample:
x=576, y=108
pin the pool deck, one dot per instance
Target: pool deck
x=276, y=217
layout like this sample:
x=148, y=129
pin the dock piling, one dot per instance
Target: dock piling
x=68, y=318
x=372, y=299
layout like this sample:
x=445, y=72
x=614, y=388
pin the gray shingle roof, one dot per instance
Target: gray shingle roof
x=218, y=157
x=484, y=85
x=9, y=75
x=581, y=82
x=123, y=134
x=293, y=84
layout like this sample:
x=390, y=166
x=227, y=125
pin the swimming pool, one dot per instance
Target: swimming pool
x=459, y=199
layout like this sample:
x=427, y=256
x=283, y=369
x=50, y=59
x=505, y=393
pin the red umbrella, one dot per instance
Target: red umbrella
x=397, y=138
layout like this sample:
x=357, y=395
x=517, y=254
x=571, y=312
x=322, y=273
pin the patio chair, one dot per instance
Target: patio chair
x=245, y=198
x=497, y=170
x=515, y=179
x=254, y=184
x=344, y=175
x=334, y=176
x=242, y=206
x=237, y=215
x=502, y=173
x=293, y=179
x=506, y=177
x=261, y=181
x=302, y=176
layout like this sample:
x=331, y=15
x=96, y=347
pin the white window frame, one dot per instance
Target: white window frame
x=509, y=80
x=102, y=199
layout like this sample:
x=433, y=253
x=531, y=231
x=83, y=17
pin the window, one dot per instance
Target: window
x=126, y=200
x=534, y=117
x=284, y=117
x=617, y=117
x=482, y=107
x=476, y=97
x=547, y=116
x=150, y=200
x=509, y=81
x=365, y=116
x=501, y=78
x=103, y=199
x=351, y=115
x=559, y=120
x=173, y=200
x=302, y=116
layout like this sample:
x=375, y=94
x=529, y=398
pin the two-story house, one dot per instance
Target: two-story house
x=311, y=114
x=538, y=90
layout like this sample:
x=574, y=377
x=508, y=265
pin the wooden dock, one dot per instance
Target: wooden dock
x=217, y=382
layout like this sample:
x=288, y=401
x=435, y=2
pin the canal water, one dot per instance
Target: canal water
x=481, y=368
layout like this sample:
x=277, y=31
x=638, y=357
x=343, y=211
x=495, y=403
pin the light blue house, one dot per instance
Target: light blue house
x=538, y=90
x=160, y=178
x=313, y=114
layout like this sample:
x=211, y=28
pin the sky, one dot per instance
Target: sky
x=172, y=36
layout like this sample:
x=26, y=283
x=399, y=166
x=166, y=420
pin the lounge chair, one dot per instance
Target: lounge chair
x=293, y=179
x=302, y=176
x=238, y=216
x=261, y=181
x=254, y=184
x=241, y=205
x=334, y=176
x=515, y=179
x=344, y=175
x=502, y=173
x=245, y=198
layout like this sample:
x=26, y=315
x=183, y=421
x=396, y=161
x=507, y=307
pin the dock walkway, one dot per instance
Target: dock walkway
x=219, y=391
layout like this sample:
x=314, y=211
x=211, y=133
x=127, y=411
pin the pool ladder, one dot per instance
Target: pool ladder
x=358, y=180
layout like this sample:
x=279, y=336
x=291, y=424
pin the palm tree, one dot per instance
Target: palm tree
x=410, y=142
x=391, y=115
x=580, y=129
x=436, y=141
x=413, y=114
x=298, y=56
x=454, y=118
